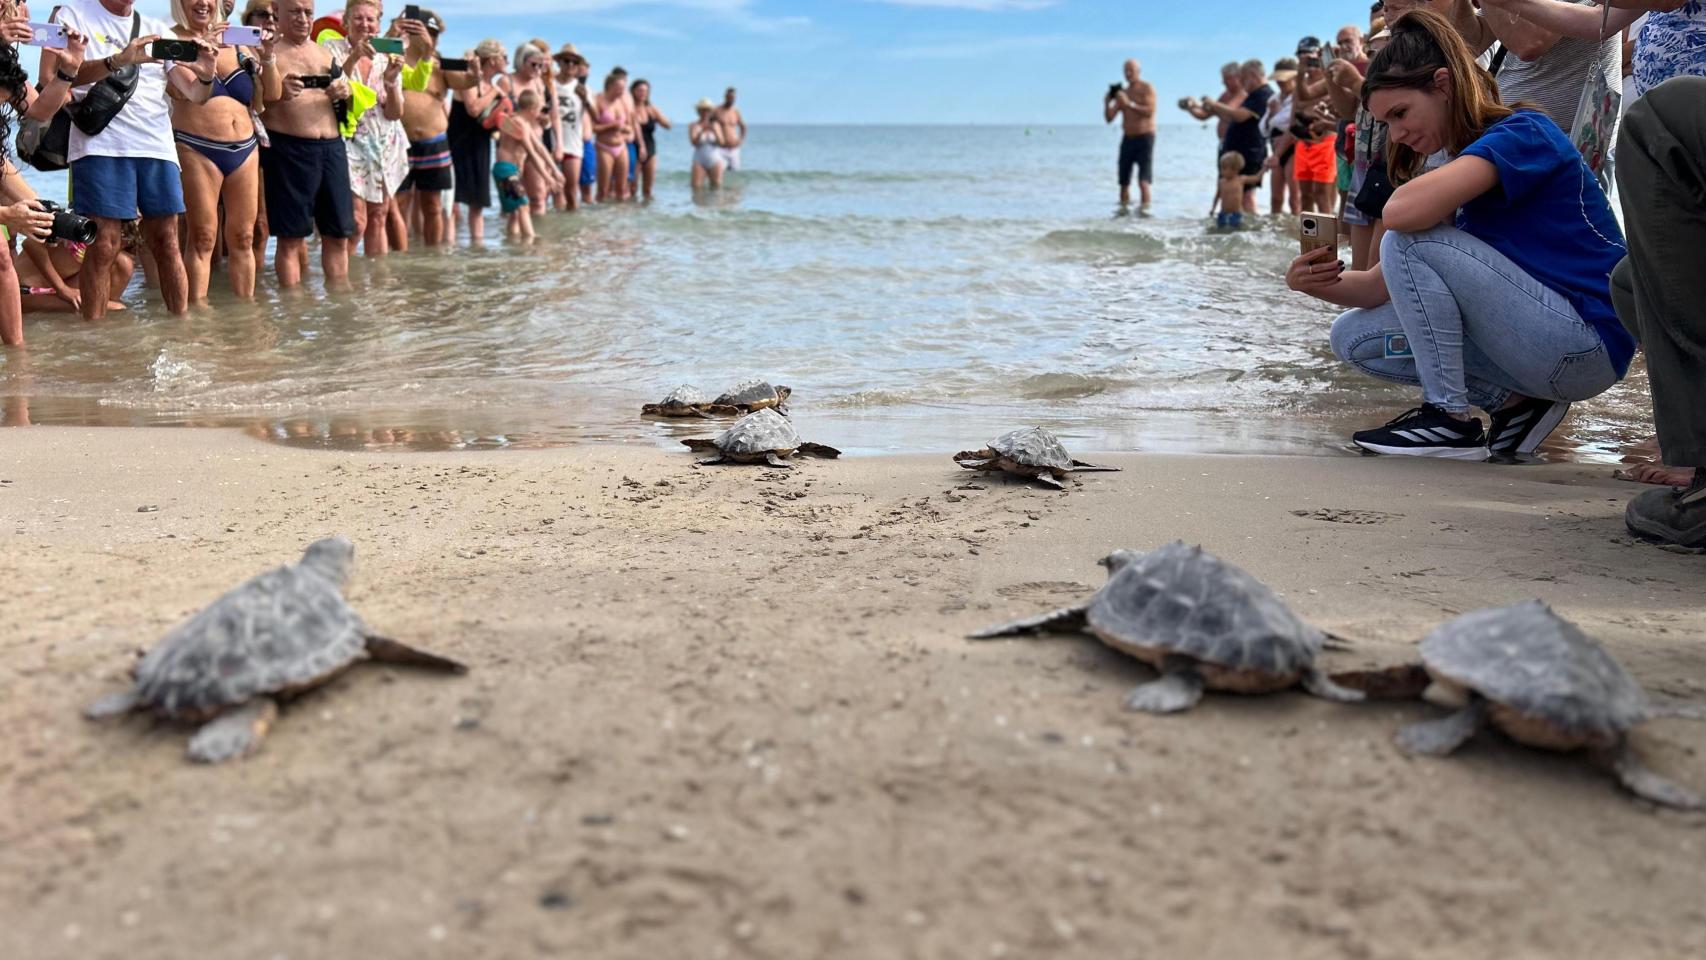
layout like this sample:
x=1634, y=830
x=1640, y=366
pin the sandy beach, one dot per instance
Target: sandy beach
x=728, y=712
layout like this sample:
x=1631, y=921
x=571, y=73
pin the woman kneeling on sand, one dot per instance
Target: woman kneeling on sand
x=1492, y=289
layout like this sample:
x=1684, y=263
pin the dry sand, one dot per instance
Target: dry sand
x=728, y=712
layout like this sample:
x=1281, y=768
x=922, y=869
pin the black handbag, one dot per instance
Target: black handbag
x=47, y=145
x=1376, y=189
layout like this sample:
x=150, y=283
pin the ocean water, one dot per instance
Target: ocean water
x=920, y=289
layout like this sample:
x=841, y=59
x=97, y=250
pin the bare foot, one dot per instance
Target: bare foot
x=1657, y=474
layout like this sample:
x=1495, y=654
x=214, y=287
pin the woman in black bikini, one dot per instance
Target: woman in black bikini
x=648, y=118
x=216, y=154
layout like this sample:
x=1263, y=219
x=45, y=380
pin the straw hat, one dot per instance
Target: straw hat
x=704, y=104
x=1285, y=68
x=569, y=53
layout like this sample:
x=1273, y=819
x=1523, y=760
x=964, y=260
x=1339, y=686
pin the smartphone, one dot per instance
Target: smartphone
x=184, y=51
x=241, y=36
x=453, y=65
x=412, y=12
x=1317, y=230
x=1327, y=57
x=317, y=81
x=48, y=36
x=391, y=45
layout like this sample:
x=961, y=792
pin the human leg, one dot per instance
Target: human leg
x=160, y=236
x=648, y=175
x=202, y=187
x=1469, y=312
x=571, y=183
x=1127, y=162
x=1145, y=168
x=241, y=192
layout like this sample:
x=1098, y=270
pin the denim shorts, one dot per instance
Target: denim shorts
x=121, y=188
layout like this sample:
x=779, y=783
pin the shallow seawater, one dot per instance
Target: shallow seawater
x=921, y=289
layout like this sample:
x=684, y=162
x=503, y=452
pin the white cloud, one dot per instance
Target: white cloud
x=982, y=6
x=982, y=48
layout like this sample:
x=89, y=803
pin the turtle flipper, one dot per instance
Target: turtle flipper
x=1393, y=683
x=819, y=450
x=1049, y=480
x=1665, y=707
x=1079, y=466
x=713, y=461
x=698, y=444
x=235, y=733
x=977, y=464
x=1647, y=785
x=1064, y=620
x=1437, y=738
x=1179, y=689
x=1320, y=685
x=387, y=650
x=778, y=462
x=113, y=705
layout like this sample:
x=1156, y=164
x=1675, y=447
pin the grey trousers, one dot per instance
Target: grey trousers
x=1660, y=288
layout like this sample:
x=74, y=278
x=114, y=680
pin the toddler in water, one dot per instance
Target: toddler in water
x=520, y=143
x=1229, y=191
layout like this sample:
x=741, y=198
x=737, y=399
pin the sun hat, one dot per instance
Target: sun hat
x=1285, y=68
x=569, y=53
x=704, y=104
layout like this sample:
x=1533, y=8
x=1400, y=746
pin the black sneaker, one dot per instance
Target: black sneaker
x=1671, y=514
x=1427, y=431
x=1520, y=429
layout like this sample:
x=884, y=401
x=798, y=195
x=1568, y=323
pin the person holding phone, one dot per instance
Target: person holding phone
x=1134, y=104
x=378, y=147
x=1492, y=289
x=426, y=121
x=305, y=163
x=217, y=146
x=130, y=166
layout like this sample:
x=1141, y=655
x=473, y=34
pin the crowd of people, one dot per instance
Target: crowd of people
x=1466, y=153
x=273, y=122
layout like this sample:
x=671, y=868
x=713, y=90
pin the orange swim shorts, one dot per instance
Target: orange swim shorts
x=1317, y=162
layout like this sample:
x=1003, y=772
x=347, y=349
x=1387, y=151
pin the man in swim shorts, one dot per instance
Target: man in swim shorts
x=1135, y=103
x=1316, y=162
x=734, y=129
x=426, y=122
x=306, y=166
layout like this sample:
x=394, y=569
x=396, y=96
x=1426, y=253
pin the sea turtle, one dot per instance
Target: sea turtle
x=764, y=436
x=1539, y=679
x=688, y=401
x=1029, y=452
x=750, y=395
x=1201, y=621
x=275, y=636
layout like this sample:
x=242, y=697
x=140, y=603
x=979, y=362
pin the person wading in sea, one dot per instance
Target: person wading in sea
x=734, y=129
x=1135, y=104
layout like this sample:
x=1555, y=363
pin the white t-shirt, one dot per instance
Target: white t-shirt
x=143, y=128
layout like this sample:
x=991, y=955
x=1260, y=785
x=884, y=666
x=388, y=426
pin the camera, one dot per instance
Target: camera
x=67, y=225
x=316, y=81
x=1114, y=90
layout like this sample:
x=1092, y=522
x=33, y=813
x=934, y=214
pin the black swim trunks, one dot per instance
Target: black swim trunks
x=429, y=166
x=1138, y=151
x=307, y=186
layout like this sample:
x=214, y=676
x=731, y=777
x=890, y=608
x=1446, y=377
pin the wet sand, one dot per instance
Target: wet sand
x=728, y=712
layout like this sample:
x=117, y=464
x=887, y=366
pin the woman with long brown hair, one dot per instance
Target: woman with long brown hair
x=1492, y=287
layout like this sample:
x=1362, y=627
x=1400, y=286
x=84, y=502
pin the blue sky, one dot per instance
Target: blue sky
x=904, y=61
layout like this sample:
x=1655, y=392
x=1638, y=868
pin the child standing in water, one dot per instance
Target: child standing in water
x=1229, y=191
x=520, y=143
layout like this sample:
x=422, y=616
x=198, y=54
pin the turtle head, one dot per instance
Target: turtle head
x=1120, y=559
x=333, y=558
x=782, y=393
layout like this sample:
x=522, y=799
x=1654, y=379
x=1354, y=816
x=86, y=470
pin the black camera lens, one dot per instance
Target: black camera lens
x=68, y=226
x=1309, y=223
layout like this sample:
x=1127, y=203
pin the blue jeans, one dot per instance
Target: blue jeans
x=1478, y=328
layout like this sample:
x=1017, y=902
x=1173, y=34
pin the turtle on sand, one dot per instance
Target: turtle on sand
x=761, y=437
x=275, y=636
x=1031, y=452
x=1538, y=678
x=748, y=396
x=1202, y=622
x=688, y=401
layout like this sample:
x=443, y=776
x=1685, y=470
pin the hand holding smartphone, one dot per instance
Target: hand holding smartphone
x=316, y=81
x=1318, y=230
x=391, y=45
x=453, y=65
x=182, y=51
x=48, y=36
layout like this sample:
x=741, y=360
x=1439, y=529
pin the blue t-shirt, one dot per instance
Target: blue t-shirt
x=1550, y=216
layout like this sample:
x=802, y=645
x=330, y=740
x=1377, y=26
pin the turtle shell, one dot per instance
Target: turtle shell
x=685, y=395
x=1183, y=600
x=750, y=393
x=285, y=629
x=759, y=432
x=1033, y=447
x=1528, y=658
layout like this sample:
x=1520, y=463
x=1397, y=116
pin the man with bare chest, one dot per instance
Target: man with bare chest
x=306, y=167
x=426, y=122
x=734, y=126
x=1134, y=103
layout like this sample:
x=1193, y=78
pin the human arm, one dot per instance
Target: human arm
x=1231, y=114
x=662, y=120
x=1315, y=274
x=1528, y=41
x=1582, y=22
x=42, y=258
x=392, y=78
x=25, y=218
x=1434, y=197
x=272, y=78
x=193, y=81
x=56, y=66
